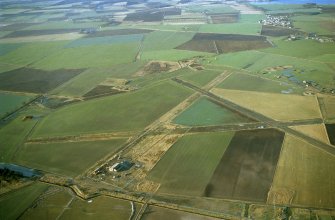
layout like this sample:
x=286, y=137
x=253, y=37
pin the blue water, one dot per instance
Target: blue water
x=26, y=172
x=320, y=2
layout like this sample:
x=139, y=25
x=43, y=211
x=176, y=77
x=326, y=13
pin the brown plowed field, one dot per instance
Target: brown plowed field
x=35, y=80
x=224, y=43
x=247, y=167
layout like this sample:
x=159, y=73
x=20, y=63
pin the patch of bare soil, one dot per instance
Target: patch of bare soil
x=157, y=67
x=280, y=196
x=277, y=68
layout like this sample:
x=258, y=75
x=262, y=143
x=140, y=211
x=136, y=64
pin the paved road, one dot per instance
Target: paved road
x=268, y=122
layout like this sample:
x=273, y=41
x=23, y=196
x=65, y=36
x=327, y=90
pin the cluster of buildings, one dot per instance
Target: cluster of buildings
x=280, y=21
x=310, y=36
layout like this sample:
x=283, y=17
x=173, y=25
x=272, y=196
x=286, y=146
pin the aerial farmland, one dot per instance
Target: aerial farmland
x=167, y=109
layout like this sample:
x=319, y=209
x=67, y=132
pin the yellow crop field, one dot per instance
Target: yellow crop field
x=280, y=107
x=317, y=131
x=304, y=176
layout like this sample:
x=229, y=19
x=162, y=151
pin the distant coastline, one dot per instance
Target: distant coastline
x=320, y=2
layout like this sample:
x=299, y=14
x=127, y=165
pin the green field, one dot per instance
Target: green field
x=85, y=57
x=11, y=137
x=301, y=48
x=64, y=25
x=238, y=59
x=13, y=204
x=165, y=40
x=205, y=112
x=101, y=207
x=189, y=164
x=13, y=101
x=154, y=213
x=131, y=111
x=121, y=39
x=240, y=81
x=87, y=80
x=233, y=28
x=70, y=158
x=51, y=206
x=6, y=48
x=211, y=9
x=287, y=9
x=30, y=53
x=199, y=78
x=171, y=55
x=320, y=24
x=257, y=61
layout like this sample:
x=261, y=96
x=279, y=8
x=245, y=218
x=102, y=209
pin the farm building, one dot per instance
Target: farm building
x=122, y=166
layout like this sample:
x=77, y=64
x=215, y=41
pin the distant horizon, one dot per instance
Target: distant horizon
x=321, y=2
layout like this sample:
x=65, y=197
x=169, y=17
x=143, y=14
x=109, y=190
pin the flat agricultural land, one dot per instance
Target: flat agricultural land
x=224, y=43
x=12, y=136
x=199, y=77
x=13, y=101
x=72, y=58
x=248, y=82
x=189, y=164
x=29, y=33
x=317, y=131
x=51, y=206
x=205, y=112
x=275, y=31
x=280, y=107
x=118, y=39
x=70, y=158
x=331, y=133
x=6, y=48
x=131, y=111
x=304, y=176
x=299, y=55
x=18, y=201
x=101, y=207
x=219, y=18
x=232, y=28
x=165, y=40
x=329, y=107
x=35, y=80
x=90, y=78
x=119, y=32
x=23, y=55
x=153, y=213
x=246, y=169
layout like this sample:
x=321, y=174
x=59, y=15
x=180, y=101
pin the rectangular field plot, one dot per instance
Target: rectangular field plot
x=281, y=107
x=199, y=77
x=154, y=213
x=189, y=164
x=101, y=207
x=125, y=112
x=70, y=158
x=14, y=203
x=206, y=112
x=246, y=169
x=53, y=203
x=10, y=101
x=331, y=133
x=85, y=57
x=115, y=32
x=224, y=43
x=247, y=82
x=34, y=80
x=105, y=40
x=29, y=33
x=304, y=176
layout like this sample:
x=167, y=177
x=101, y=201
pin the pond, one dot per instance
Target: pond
x=26, y=172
